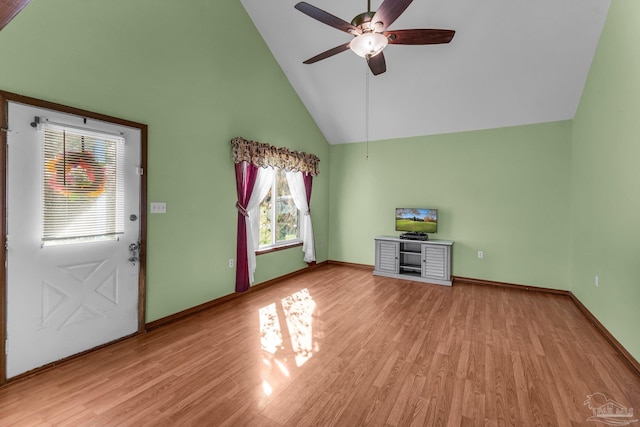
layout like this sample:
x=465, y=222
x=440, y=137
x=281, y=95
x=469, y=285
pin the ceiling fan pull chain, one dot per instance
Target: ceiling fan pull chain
x=366, y=120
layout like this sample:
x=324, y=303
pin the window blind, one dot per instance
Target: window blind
x=83, y=185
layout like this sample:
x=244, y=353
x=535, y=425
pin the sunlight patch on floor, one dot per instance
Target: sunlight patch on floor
x=270, y=332
x=298, y=311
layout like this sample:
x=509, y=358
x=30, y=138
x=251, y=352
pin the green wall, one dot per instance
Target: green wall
x=606, y=180
x=197, y=76
x=503, y=191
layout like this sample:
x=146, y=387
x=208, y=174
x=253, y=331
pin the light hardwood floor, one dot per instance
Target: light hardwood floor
x=366, y=351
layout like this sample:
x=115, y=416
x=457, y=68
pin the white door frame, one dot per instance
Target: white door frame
x=5, y=98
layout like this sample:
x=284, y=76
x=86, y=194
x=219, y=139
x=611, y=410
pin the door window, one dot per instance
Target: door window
x=83, y=186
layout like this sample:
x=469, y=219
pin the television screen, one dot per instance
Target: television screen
x=417, y=220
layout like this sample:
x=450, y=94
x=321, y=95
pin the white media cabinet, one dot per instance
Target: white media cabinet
x=421, y=260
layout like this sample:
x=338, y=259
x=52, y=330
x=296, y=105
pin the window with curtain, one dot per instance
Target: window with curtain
x=279, y=216
x=82, y=186
x=273, y=185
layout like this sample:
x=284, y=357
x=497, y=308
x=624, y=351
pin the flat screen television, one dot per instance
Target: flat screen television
x=414, y=220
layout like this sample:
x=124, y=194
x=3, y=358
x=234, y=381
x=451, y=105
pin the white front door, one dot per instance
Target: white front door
x=68, y=295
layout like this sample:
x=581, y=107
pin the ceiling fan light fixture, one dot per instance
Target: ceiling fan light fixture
x=368, y=44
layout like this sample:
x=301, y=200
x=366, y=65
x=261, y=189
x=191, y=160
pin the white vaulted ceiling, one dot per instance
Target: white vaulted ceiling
x=511, y=62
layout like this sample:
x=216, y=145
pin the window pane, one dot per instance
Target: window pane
x=286, y=211
x=83, y=194
x=278, y=214
x=265, y=220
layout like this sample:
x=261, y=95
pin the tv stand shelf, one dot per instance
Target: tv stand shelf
x=420, y=260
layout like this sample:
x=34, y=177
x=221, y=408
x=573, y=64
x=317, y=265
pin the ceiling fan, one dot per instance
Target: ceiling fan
x=370, y=32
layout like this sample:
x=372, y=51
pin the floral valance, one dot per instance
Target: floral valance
x=264, y=155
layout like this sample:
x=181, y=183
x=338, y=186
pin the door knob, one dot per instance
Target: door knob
x=134, y=250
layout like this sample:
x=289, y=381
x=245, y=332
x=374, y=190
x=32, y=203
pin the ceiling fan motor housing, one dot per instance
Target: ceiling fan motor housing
x=363, y=20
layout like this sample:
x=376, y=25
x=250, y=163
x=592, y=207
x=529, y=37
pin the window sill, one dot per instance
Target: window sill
x=278, y=248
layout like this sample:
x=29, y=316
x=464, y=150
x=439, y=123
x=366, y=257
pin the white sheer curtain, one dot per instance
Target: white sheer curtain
x=261, y=188
x=299, y=193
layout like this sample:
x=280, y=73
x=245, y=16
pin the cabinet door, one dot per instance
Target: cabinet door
x=435, y=262
x=387, y=256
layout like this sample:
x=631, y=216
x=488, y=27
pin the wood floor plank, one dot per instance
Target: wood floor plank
x=342, y=348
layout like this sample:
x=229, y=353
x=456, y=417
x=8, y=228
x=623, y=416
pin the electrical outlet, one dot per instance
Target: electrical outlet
x=231, y=262
x=597, y=280
x=480, y=254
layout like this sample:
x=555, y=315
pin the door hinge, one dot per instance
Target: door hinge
x=139, y=171
x=6, y=131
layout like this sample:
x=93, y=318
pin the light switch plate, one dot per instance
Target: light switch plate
x=158, y=207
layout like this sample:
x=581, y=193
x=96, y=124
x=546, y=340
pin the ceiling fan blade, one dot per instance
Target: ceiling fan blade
x=326, y=18
x=419, y=36
x=377, y=64
x=327, y=53
x=388, y=12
